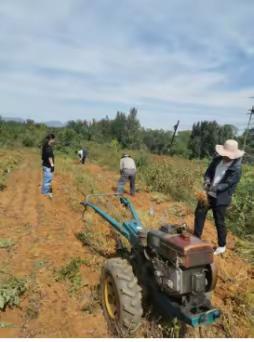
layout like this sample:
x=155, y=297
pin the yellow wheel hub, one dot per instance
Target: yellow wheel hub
x=111, y=298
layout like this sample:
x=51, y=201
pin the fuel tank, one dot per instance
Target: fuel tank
x=182, y=249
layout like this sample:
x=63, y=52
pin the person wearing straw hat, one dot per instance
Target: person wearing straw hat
x=220, y=181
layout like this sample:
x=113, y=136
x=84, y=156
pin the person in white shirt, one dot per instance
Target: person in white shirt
x=220, y=171
x=220, y=181
x=128, y=173
x=82, y=155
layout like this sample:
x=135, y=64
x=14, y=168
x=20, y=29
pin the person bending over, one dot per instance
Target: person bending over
x=82, y=155
x=128, y=173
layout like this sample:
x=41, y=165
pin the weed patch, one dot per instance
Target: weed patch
x=8, y=161
x=71, y=273
x=4, y=325
x=97, y=243
x=11, y=289
x=156, y=327
x=245, y=248
x=159, y=198
x=5, y=243
x=38, y=264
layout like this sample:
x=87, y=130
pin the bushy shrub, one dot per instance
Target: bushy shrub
x=241, y=213
x=11, y=289
x=8, y=160
x=177, y=178
x=28, y=141
x=142, y=160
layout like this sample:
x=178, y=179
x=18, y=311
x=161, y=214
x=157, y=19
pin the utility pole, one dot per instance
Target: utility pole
x=173, y=137
x=251, y=113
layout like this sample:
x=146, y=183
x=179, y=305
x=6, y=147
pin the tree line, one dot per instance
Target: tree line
x=126, y=132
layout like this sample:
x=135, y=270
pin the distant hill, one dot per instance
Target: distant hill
x=53, y=123
x=16, y=119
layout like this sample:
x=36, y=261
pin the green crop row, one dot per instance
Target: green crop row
x=8, y=161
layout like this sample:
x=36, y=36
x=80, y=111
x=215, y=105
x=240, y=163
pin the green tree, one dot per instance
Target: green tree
x=133, y=129
x=180, y=146
x=157, y=140
x=119, y=128
x=205, y=135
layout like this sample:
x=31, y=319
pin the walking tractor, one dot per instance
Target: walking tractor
x=168, y=267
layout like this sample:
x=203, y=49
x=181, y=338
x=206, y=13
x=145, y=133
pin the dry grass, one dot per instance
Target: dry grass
x=202, y=198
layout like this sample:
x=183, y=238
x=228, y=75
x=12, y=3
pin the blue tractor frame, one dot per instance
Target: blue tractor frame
x=166, y=305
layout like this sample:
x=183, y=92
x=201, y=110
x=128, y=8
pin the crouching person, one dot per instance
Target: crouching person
x=128, y=173
x=82, y=155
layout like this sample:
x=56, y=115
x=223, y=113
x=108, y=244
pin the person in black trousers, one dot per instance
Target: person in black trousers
x=220, y=181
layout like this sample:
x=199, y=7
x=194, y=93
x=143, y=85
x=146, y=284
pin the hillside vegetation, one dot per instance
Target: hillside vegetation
x=126, y=131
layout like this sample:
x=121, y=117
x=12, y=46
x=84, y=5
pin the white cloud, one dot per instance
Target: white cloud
x=64, y=59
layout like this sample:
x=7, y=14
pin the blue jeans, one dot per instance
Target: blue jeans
x=47, y=179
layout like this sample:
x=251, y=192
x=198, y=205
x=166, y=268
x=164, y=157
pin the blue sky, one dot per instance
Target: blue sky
x=172, y=59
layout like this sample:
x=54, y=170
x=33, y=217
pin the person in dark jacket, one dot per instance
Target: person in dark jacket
x=220, y=181
x=48, y=165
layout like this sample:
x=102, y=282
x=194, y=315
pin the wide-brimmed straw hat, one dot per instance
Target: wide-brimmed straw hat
x=229, y=149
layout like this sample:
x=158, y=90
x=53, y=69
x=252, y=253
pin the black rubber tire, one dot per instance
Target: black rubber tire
x=128, y=294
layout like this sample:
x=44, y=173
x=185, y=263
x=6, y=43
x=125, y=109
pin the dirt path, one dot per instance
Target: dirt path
x=44, y=235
